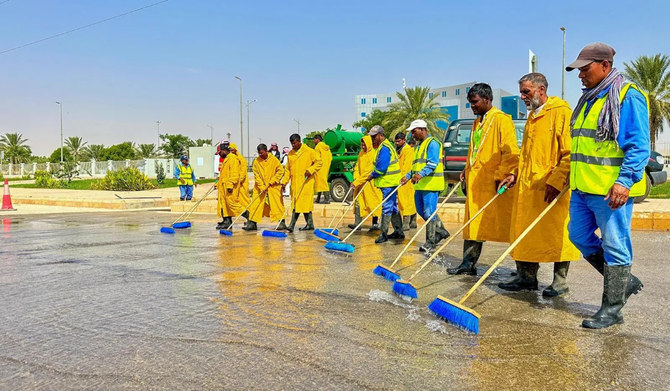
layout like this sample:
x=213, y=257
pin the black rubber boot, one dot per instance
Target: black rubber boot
x=282, y=225
x=310, y=222
x=560, y=284
x=294, y=219
x=405, y=223
x=396, y=221
x=227, y=223
x=614, y=298
x=430, y=243
x=526, y=279
x=375, y=224
x=221, y=224
x=318, y=198
x=441, y=233
x=245, y=214
x=357, y=217
x=384, y=227
x=326, y=197
x=471, y=252
x=412, y=221
x=597, y=260
x=250, y=226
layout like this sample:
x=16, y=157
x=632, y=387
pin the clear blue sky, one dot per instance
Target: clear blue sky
x=176, y=62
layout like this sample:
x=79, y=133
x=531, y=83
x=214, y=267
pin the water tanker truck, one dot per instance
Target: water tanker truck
x=344, y=146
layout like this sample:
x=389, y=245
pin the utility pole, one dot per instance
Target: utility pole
x=298, y=122
x=249, y=102
x=158, y=140
x=563, y=68
x=61, y=134
x=241, y=119
x=211, y=134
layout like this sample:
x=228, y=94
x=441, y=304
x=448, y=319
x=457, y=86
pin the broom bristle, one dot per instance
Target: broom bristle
x=387, y=273
x=182, y=224
x=405, y=288
x=274, y=234
x=322, y=234
x=226, y=232
x=457, y=314
x=167, y=230
x=337, y=246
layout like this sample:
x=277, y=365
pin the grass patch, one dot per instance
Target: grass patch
x=85, y=184
x=660, y=191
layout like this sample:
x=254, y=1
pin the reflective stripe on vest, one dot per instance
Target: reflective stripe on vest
x=186, y=173
x=435, y=180
x=390, y=178
x=595, y=166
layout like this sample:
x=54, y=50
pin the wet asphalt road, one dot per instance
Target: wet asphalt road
x=107, y=302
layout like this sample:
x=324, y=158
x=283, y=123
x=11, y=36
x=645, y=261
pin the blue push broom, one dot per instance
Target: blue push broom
x=178, y=224
x=229, y=232
x=279, y=234
x=464, y=317
x=331, y=234
x=388, y=272
x=348, y=247
x=405, y=287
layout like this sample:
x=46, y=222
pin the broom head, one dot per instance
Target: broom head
x=274, y=234
x=405, y=288
x=340, y=246
x=182, y=224
x=387, y=273
x=226, y=232
x=457, y=314
x=167, y=230
x=326, y=235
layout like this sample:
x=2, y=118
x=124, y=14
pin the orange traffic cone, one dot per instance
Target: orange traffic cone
x=7, y=199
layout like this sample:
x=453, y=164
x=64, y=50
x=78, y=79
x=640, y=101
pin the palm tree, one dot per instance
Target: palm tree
x=652, y=75
x=415, y=103
x=76, y=146
x=93, y=151
x=146, y=151
x=13, y=144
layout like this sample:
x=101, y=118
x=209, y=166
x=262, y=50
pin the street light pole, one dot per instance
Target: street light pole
x=211, y=134
x=61, y=133
x=158, y=140
x=249, y=102
x=563, y=68
x=298, y=122
x=241, y=119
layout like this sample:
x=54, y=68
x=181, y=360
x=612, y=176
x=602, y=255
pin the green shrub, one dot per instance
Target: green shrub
x=125, y=179
x=2, y=177
x=44, y=179
x=160, y=173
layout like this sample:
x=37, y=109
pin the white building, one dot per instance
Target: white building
x=452, y=99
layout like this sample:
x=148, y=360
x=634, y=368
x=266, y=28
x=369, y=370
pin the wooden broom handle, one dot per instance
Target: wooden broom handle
x=513, y=245
x=188, y=212
x=373, y=211
x=418, y=231
x=249, y=206
x=339, y=209
x=435, y=254
x=350, y=206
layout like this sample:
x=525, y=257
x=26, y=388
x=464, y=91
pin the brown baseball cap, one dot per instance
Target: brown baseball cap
x=593, y=52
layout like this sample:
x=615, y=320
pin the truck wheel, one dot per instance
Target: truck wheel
x=338, y=189
x=641, y=198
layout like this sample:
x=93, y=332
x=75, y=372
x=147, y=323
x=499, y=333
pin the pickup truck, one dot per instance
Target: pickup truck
x=457, y=141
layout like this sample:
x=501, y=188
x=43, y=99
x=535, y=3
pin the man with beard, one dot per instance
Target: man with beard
x=544, y=166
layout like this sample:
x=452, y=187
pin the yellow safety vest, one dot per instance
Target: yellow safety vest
x=431, y=182
x=390, y=178
x=595, y=166
x=186, y=173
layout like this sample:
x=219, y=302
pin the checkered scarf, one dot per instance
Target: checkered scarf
x=608, y=121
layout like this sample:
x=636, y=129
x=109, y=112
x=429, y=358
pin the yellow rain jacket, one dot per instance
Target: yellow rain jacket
x=323, y=153
x=243, y=177
x=496, y=157
x=371, y=196
x=300, y=163
x=228, y=202
x=268, y=174
x=545, y=159
x=406, y=193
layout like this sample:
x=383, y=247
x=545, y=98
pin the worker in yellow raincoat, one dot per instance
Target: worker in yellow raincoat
x=493, y=155
x=543, y=172
x=302, y=164
x=243, y=176
x=405, y=193
x=371, y=196
x=267, y=196
x=323, y=153
x=228, y=186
